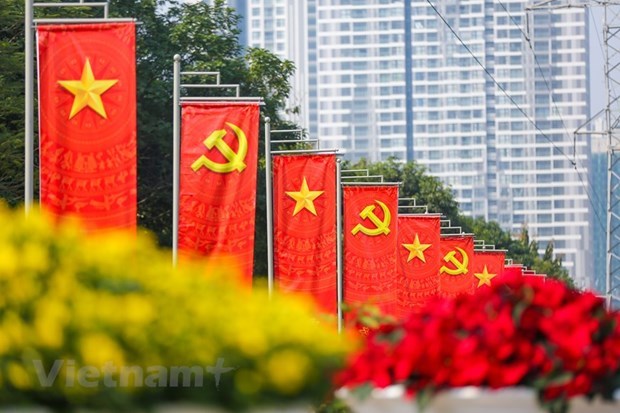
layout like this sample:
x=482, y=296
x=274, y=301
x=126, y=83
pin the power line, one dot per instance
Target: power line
x=600, y=42
x=542, y=74
x=500, y=87
x=596, y=213
x=574, y=137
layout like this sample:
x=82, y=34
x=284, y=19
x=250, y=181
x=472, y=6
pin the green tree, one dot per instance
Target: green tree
x=490, y=232
x=525, y=251
x=427, y=190
x=11, y=101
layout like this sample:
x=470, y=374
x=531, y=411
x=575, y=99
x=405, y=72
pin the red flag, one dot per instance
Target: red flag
x=304, y=196
x=418, y=260
x=87, y=122
x=370, y=274
x=513, y=270
x=455, y=275
x=533, y=273
x=219, y=148
x=488, y=267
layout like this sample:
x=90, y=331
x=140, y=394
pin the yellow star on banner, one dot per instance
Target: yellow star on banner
x=87, y=91
x=484, y=277
x=416, y=250
x=304, y=198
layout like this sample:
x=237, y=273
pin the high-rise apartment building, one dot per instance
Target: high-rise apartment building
x=282, y=26
x=481, y=92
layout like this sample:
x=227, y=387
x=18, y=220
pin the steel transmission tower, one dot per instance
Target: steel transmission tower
x=611, y=33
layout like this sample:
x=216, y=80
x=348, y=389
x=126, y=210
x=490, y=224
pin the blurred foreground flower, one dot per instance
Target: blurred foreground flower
x=106, y=322
x=521, y=332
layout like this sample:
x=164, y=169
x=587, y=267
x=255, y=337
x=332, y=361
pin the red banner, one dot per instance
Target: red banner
x=513, y=270
x=87, y=122
x=219, y=149
x=304, y=195
x=455, y=275
x=533, y=273
x=418, y=261
x=370, y=273
x=488, y=267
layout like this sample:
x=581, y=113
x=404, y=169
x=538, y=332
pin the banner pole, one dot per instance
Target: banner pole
x=339, y=278
x=269, y=205
x=176, y=143
x=29, y=107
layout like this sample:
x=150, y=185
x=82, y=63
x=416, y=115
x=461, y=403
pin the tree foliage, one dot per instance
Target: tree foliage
x=525, y=251
x=11, y=101
x=426, y=189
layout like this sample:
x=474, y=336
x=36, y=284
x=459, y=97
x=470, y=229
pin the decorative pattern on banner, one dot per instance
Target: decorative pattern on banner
x=418, y=261
x=304, y=195
x=488, y=267
x=219, y=149
x=87, y=123
x=370, y=237
x=455, y=274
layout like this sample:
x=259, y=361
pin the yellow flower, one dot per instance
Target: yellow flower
x=116, y=300
x=50, y=319
x=248, y=382
x=248, y=338
x=23, y=290
x=288, y=370
x=63, y=282
x=18, y=376
x=4, y=344
x=34, y=256
x=137, y=309
x=98, y=349
x=9, y=261
x=13, y=329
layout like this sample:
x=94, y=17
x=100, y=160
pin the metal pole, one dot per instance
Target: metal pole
x=608, y=126
x=29, y=108
x=176, y=143
x=269, y=205
x=339, y=275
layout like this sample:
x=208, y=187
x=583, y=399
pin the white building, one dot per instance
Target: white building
x=382, y=78
x=281, y=26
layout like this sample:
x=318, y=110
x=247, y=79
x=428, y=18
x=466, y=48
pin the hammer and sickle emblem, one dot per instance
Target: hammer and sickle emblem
x=460, y=267
x=381, y=227
x=235, y=159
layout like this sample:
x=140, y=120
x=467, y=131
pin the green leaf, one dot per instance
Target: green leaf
x=555, y=379
x=424, y=397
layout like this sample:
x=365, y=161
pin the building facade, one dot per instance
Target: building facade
x=483, y=93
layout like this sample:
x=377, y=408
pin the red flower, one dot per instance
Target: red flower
x=519, y=332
